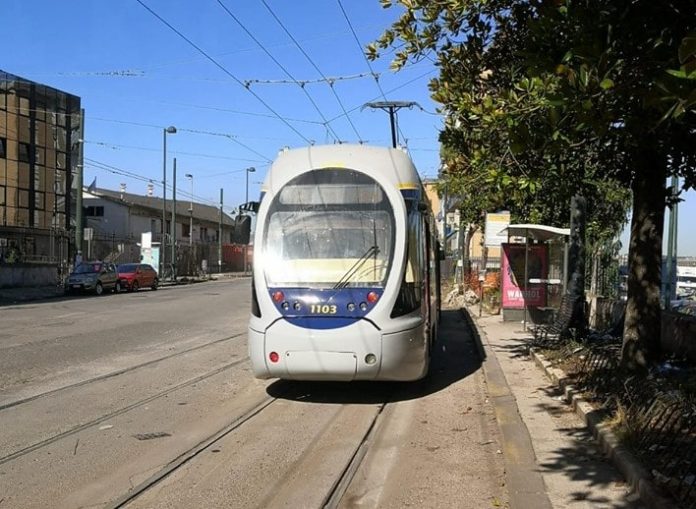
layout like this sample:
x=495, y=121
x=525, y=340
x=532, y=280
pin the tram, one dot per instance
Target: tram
x=345, y=281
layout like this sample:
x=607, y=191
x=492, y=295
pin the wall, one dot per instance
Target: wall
x=114, y=221
x=679, y=334
x=27, y=275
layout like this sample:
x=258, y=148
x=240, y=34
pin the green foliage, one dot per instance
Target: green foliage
x=552, y=98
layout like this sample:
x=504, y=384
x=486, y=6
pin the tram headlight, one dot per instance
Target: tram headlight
x=351, y=307
x=372, y=297
x=363, y=306
x=297, y=306
x=278, y=296
x=285, y=306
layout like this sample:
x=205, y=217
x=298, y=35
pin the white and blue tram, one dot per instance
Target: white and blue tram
x=345, y=275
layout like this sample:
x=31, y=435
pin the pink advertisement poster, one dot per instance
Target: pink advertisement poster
x=514, y=292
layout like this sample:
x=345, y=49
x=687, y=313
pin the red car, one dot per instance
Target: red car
x=134, y=276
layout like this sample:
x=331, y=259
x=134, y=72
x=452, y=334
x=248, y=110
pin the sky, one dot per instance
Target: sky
x=237, y=84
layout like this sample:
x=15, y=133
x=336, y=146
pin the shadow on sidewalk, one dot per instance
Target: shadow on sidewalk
x=454, y=358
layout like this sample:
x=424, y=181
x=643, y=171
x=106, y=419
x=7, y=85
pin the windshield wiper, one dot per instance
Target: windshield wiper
x=345, y=279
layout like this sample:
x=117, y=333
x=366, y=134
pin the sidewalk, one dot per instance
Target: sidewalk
x=575, y=472
x=10, y=296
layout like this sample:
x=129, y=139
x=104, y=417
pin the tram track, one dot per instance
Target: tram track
x=342, y=483
x=187, y=456
x=43, y=443
x=334, y=489
x=116, y=373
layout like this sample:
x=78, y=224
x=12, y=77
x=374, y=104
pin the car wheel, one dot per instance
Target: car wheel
x=155, y=284
x=135, y=286
x=98, y=288
x=117, y=288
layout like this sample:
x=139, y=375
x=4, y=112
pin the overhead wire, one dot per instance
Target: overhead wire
x=174, y=152
x=281, y=66
x=405, y=84
x=367, y=61
x=224, y=69
x=127, y=173
x=309, y=59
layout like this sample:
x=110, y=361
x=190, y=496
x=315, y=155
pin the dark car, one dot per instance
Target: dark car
x=134, y=276
x=96, y=277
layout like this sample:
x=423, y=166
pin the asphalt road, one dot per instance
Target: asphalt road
x=146, y=400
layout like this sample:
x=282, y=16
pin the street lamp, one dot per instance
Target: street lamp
x=163, y=249
x=248, y=171
x=190, y=177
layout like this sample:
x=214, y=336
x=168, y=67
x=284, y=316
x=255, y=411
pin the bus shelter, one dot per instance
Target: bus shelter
x=533, y=271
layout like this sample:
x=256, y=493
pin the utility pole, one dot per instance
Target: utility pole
x=220, y=237
x=392, y=107
x=174, y=220
x=670, y=266
x=80, y=181
x=163, y=245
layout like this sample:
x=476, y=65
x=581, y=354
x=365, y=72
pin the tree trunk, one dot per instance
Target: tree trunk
x=641, y=341
x=466, y=262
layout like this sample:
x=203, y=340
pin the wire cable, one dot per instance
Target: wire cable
x=309, y=59
x=407, y=83
x=281, y=66
x=367, y=61
x=93, y=163
x=223, y=69
x=117, y=146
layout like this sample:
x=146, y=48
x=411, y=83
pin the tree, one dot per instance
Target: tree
x=552, y=97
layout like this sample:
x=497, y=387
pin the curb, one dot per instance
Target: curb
x=525, y=484
x=633, y=471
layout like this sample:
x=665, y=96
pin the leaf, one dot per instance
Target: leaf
x=606, y=84
x=687, y=48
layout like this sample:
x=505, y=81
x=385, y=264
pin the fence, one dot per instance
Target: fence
x=656, y=414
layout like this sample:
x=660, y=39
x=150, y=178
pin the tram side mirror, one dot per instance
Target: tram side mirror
x=242, y=230
x=252, y=206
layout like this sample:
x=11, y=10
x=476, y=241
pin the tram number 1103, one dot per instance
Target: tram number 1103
x=323, y=309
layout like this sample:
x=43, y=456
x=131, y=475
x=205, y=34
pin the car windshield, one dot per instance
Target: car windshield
x=88, y=268
x=128, y=267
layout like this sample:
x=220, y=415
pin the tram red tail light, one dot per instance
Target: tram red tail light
x=278, y=296
x=274, y=357
x=372, y=297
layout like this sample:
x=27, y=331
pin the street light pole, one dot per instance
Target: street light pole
x=248, y=171
x=163, y=246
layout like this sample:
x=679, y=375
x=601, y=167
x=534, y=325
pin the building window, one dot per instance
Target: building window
x=24, y=152
x=3, y=148
x=94, y=211
x=185, y=230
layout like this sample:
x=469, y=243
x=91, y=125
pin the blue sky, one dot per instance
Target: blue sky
x=136, y=76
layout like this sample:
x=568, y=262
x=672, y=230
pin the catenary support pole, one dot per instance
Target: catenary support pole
x=79, y=231
x=173, y=222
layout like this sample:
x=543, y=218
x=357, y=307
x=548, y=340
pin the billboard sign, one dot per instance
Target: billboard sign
x=495, y=223
x=515, y=294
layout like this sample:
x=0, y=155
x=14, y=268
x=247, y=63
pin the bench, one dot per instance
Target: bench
x=560, y=326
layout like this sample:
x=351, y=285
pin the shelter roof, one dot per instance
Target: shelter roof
x=539, y=232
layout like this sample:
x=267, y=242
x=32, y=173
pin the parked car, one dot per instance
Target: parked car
x=96, y=277
x=134, y=276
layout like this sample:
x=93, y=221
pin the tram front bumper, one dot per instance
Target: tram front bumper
x=357, y=352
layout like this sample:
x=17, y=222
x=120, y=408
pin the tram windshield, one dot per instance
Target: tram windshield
x=327, y=228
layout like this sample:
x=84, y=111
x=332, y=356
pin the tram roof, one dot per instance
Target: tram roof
x=393, y=163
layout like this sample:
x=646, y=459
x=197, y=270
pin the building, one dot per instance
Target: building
x=126, y=215
x=39, y=135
